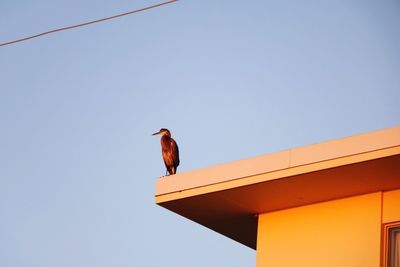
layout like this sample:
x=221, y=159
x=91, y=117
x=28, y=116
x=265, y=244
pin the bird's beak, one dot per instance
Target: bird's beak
x=156, y=133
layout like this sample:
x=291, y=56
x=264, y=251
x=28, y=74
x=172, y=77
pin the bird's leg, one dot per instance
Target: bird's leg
x=166, y=172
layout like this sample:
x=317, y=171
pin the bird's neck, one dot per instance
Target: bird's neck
x=165, y=138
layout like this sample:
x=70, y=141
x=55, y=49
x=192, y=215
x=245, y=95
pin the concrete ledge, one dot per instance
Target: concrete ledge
x=282, y=160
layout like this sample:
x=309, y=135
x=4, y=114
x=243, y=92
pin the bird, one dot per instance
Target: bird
x=170, y=151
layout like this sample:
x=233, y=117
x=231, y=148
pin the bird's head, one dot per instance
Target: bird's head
x=163, y=131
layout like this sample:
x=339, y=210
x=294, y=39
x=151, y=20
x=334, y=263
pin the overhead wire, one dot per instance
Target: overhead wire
x=86, y=23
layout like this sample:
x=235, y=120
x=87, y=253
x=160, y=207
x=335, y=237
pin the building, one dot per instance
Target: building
x=335, y=203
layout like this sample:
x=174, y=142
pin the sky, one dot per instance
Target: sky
x=229, y=79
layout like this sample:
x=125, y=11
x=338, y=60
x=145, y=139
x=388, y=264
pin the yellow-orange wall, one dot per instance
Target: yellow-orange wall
x=391, y=206
x=339, y=233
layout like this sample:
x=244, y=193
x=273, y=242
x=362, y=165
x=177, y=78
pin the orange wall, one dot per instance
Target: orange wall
x=345, y=232
x=336, y=233
x=391, y=206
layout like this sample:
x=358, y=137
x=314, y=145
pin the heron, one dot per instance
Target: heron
x=170, y=151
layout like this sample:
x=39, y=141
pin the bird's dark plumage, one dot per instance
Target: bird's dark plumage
x=170, y=151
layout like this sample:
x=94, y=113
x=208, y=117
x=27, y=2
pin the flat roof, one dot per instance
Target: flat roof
x=227, y=198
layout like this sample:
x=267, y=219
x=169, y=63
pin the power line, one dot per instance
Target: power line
x=87, y=23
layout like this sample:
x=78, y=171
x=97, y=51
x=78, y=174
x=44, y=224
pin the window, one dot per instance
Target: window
x=391, y=245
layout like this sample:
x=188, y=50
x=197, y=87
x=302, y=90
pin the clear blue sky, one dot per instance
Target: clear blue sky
x=230, y=79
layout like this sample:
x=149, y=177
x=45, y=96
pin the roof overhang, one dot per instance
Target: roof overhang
x=227, y=198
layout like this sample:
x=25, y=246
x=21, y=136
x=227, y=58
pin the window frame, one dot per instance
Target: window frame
x=386, y=235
